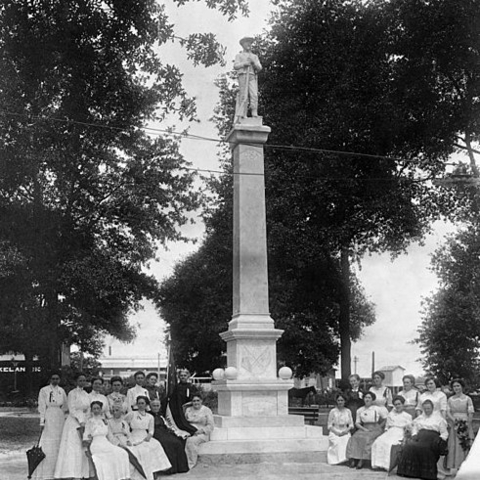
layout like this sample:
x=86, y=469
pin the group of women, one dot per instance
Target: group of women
x=411, y=430
x=115, y=437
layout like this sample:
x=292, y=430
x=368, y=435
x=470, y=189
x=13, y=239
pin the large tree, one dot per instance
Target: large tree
x=86, y=196
x=449, y=335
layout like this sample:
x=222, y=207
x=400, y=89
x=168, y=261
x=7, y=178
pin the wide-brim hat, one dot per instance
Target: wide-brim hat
x=245, y=40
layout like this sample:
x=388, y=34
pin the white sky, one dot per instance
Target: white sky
x=396, y=287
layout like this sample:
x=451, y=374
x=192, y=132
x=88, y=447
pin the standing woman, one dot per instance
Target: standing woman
x=340, y=424
x=111, y=462
x=116, y=398
x=52, y=405
x=437, y=397
x=383, y=394
x=354, y=395
x=148, y=450
x=72, y=461
x=96, y=395
x=370, y=422
x=459, y=417
x=410, y=394
x=201, y=418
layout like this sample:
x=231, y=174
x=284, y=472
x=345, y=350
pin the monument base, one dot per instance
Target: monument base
x=289, y=440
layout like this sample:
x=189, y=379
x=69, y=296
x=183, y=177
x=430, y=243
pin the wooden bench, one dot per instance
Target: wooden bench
x=310, y=414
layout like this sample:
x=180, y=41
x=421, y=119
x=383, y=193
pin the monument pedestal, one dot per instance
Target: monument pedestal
x=253, y=422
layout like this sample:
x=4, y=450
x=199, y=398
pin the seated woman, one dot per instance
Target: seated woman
x=370, y=422
x=174, y=446
x=410, y=394
x=149, y=452
x=201, y=418
x=116, y=397
x=111, y=462
x=340, y=424
x=398, y=421
x=420, y=455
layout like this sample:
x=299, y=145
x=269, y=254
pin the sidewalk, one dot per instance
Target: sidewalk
x=13, y=466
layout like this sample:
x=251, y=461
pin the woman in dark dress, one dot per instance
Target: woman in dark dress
x=419, y=457
x=354, y=395
x=174, y=446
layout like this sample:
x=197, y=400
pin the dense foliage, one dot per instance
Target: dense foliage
x=86, y=196
x=395, y=82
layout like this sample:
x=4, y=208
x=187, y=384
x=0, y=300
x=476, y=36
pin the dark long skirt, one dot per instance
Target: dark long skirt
x=174, y=448
x=420, y=456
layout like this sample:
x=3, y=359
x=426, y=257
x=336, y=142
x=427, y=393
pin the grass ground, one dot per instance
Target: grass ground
x=18, y=433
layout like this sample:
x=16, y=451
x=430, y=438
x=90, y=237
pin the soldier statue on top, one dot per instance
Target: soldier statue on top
x=247, y=65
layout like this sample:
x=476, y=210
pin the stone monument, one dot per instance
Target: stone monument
x=252, y=400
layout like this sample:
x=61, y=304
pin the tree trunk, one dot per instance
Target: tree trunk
x=344, y=315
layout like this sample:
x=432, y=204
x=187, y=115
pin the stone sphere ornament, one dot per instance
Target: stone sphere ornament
x=231, y=373
x=218, y=374
x=285, y=373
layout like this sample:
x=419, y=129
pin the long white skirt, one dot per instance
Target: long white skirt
x=72, y=462
x=50, y=443
x=111, y=462
x=470, y=468
x=191, y=448
x=151, y=455
x=382, y=446
x=337, y=448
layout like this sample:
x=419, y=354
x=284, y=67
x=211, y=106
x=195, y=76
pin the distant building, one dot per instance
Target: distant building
x=125, y=366
x=393, y=377
x=326, y=382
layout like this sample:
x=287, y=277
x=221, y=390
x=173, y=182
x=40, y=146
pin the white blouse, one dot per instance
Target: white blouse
x=438, y=398
x=372, y=414
x=398, y=420
x=50, y=397
x=339, y=420
x=434, y=422
x=78, y=404
x=132, y=394
x=411, y=397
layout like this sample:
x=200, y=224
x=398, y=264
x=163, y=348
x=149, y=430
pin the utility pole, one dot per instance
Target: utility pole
x=373, y=362
x=355, y=361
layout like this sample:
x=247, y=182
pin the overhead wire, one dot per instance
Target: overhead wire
x=189, y=136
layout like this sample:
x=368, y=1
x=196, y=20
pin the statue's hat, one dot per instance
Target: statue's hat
x=245, y=40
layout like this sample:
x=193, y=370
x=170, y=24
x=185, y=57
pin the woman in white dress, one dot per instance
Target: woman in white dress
x=96, y=395
x=340, y=424
x=201, y=417
x=459, y=414
x=411, y=395
x=148, y=451
x=437, y=397
x=120, y=436
x=382, y=393
x=116, y=398
x=398, y=422
x=52, y=405
x=111, y=462
x=72, y=463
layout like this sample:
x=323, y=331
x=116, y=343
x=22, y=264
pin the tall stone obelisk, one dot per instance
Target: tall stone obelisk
x=252, y=400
